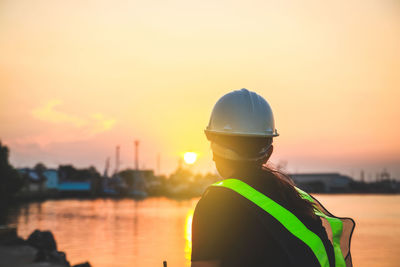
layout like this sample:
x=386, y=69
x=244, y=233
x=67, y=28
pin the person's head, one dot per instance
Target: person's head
x=241, y=131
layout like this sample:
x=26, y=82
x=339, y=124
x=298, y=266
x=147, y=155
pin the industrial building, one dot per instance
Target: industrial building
x=322, y=182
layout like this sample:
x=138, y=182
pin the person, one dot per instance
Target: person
x=255, y=216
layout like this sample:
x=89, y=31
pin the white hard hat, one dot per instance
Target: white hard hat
x=242, y=113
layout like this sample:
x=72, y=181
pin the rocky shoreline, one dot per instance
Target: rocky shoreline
x=38, y=250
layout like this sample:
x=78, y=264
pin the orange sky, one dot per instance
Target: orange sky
x=79, y=77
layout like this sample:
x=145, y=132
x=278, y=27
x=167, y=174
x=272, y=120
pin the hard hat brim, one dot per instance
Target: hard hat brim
x=233, y=133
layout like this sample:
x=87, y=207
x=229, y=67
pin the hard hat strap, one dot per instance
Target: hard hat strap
x=230, y=154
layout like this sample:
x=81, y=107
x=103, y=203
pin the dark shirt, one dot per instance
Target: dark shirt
x=227, y=227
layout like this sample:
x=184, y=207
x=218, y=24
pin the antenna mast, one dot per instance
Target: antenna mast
x=136, y=154
x=117, y=159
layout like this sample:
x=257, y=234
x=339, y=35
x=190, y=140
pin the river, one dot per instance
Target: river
x=127, y=232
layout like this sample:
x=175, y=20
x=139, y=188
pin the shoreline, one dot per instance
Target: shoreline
x=43, y=198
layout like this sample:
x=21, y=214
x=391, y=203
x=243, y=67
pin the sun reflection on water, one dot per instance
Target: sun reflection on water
x=188, y=235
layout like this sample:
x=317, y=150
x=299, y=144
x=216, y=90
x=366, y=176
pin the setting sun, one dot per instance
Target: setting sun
x=190, y=157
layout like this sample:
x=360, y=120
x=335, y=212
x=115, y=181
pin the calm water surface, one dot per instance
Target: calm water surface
x=144, y=233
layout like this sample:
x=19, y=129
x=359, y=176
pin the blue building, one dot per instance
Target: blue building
x=51, y=178
x=74, y=187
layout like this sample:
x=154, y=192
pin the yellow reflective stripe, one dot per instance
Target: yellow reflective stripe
x=337, y=229
x=304, y=195
x=285, y=217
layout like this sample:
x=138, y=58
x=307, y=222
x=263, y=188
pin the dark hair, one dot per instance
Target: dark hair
x=289, y=194
x=249, y=146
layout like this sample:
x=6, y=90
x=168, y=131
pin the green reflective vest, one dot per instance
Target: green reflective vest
x=291, y=222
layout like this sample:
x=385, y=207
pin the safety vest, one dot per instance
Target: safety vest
x=333, y=225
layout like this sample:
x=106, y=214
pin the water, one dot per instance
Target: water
x=144, y=233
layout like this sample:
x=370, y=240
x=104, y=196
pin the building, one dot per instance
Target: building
x=136, y=181
x=33, y=182
x=51, y=179
x=322, y=182
x=74, y=187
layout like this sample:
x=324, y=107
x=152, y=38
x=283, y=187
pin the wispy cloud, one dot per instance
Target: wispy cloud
x=48, y=113
x=101, y=123
x=68, y=127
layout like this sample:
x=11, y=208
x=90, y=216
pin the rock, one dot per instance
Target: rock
x=39, y=250
x=58, y=257
x=54, y=257
x=86, y=264
x=47, y=248
x=42, y=240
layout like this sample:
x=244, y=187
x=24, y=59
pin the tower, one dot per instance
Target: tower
x=116, y=159
x=158, y=163
x=136, y=154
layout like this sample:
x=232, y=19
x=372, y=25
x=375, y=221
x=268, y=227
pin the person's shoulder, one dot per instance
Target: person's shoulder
x=216, y=196
x=218, y=200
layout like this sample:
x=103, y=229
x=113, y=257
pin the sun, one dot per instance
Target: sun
x=190, y=157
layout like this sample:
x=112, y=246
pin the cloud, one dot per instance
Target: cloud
x=101, y=123
x=48, y=113
x=67, y=127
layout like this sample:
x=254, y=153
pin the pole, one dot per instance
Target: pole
x=158, y=163
x=136, y=154
x=116, y=159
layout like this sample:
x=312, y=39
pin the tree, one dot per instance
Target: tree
x=40, y=168
x=10, y=180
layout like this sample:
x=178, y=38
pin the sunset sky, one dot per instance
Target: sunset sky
x=79, y=77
